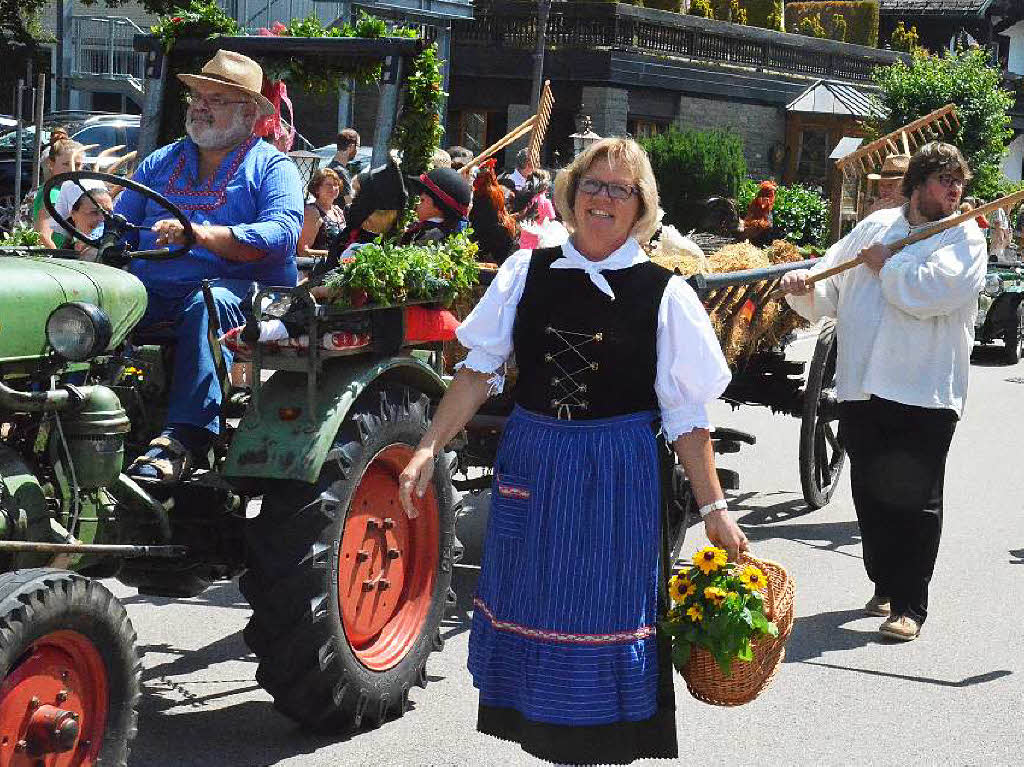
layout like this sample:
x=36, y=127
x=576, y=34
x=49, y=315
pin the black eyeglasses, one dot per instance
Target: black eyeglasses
x=593, y=187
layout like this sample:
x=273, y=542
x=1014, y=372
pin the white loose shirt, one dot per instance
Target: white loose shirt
x=691, y=370
x=905, y=334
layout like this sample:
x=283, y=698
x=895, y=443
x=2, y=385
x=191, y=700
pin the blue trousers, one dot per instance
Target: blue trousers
x=195, y=396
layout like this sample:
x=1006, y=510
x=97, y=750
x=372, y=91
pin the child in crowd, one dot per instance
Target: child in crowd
x=62, y=156
x=84, y=212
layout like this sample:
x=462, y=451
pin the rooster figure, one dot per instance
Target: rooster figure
x=757, y=224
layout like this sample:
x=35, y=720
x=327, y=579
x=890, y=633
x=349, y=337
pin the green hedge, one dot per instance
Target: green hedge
x=662, y=5
x=766, y=14
x=801, y=212
x=861, y=18
x=691, y=166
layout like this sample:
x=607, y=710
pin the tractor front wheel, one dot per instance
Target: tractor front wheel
x=347, y=591
x=69, y=672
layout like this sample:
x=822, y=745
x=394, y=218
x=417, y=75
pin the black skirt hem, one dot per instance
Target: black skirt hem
x=619, y=743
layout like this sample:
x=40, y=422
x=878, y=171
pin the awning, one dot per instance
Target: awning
x=829, y=97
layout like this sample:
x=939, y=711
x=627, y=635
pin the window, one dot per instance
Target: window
x=641, y=127
x=473, y=130
x=104, y=136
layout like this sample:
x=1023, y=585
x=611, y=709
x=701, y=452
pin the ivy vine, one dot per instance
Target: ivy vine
x=418, y=132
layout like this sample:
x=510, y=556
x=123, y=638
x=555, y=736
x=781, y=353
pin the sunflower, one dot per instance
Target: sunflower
x=695, y=613
x=677, y=588
x=690, y=591
x=753, y=578
x=714, y=595
x=710, y=559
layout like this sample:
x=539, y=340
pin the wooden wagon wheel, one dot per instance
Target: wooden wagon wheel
x=821, y=455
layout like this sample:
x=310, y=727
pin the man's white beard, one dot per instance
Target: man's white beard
x=207, y=136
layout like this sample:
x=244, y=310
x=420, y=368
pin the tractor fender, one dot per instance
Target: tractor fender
x=24, y=512
x=1002, y=312
x=272, y=442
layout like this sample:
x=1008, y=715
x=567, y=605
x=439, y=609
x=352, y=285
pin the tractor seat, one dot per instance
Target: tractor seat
x=158, y=334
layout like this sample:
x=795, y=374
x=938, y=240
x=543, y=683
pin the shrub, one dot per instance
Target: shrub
x=663, y=5
x=968, y=80
x=860, y=17
x=903, y=39
x=722, y=10
x=801, y=212
x=839, y=27
x=691, y=166
x=763, y=13
x=810, y=26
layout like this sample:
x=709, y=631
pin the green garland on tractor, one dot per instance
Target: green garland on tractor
x=418, y=133
x=384, y=274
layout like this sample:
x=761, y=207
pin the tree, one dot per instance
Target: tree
x=965, y=78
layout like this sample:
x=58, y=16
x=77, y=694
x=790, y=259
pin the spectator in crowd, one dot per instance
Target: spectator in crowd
x=440, y=159
x=323, y=219
x=517, y=179
x=999, y=236
x=82, y=204
x=63, y=156
x=445, y=198
x=348, y=145
x=460, y=156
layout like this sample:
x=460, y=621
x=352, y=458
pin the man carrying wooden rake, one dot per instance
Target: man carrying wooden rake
x=905, y=323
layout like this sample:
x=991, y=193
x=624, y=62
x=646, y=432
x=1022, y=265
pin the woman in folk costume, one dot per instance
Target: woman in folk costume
x=445, y=197
x=564, y=646
x=494, y=229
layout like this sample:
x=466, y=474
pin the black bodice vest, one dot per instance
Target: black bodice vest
x=579, y=353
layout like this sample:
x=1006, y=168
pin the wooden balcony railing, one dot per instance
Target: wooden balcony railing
x=613, y=26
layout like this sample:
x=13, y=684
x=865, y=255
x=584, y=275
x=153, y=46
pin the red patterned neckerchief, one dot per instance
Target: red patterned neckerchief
x=189, y=198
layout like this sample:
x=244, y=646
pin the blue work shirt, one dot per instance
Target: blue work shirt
x=256, y=192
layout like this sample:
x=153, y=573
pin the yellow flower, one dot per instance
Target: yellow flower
x=731, y=594
x=710, y=559
x=753, y=578
x=690, y=591
x=677, y=588
x=714, y=595
x=695, y=613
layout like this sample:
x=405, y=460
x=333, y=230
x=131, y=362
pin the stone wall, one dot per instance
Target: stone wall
x=759, y=126
x=607, y=107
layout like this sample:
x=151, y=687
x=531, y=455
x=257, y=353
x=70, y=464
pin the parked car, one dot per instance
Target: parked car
x=1000, y=309
x=359, y=163
x=102, y=130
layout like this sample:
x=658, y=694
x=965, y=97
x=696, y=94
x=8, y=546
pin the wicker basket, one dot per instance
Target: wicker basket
x=705, y=679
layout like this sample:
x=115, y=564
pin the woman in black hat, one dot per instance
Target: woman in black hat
x=443, y=208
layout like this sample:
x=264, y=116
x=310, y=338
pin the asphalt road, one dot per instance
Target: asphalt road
x=843, y=696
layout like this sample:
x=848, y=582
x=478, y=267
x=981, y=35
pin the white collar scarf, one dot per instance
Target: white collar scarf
x=627, y=255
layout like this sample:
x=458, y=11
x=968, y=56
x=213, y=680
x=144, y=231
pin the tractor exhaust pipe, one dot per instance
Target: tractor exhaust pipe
x=35, y=401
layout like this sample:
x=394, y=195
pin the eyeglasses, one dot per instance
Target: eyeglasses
x=212, y=102
x=948, y=180
x=594, y=187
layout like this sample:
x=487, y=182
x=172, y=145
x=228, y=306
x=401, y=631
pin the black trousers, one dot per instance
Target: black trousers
x=897, y=465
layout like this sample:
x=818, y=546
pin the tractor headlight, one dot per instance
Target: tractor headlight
x=78, y=331
x=993, y=285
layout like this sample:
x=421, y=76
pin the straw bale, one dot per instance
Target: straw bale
x=783, y=252
x=737, y=257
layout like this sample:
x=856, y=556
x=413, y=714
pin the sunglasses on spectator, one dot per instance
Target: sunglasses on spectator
x=212, y=102
x=594, y=187
x=948, y=180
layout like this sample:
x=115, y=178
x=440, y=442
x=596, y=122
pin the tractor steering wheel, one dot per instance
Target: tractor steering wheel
x=115, y=226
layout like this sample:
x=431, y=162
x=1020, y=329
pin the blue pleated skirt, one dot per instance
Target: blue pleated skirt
x=564, y=624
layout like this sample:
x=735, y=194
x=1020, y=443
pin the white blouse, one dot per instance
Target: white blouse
x=691, y=368
x=906, y=333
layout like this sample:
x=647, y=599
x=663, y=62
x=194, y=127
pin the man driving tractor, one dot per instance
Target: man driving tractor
x=244, y=200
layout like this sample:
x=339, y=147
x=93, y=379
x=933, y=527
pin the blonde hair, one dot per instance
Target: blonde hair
x=624, y=152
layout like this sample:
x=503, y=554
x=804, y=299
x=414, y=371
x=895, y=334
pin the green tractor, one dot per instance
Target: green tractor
x=347, y=591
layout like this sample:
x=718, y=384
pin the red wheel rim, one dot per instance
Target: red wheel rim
x=53, y=704
x=387, y=565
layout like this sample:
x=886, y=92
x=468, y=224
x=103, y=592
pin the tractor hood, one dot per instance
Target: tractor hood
x=32, y=287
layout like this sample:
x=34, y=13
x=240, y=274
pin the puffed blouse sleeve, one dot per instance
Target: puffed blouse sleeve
x=487, y=331
x=691, y=367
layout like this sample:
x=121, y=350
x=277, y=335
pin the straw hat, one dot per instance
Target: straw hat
x=894, y=166
x=236, y=71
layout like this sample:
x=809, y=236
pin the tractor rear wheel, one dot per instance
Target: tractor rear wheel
x=69, y=671
x=347, y=592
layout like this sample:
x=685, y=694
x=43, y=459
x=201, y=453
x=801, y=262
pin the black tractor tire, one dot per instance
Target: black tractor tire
x=1013, y=336
x=51, y=618
x=316, y=674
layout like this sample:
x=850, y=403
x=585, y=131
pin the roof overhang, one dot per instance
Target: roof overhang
x=830, y=97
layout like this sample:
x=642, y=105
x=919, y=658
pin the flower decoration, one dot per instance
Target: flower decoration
x=714, y=595
x=710, y=559
x=753, y=578
x=719, y=607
